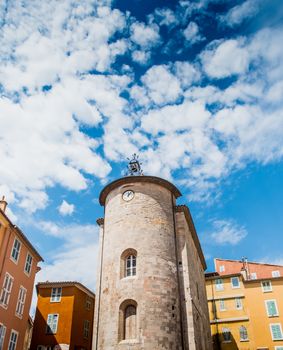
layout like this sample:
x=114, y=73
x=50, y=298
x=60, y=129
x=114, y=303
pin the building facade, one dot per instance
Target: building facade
x=18, y=266
x=246, y=305
x=150, y=286
x=64, y=317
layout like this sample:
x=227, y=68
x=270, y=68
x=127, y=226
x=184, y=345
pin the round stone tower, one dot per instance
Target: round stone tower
x=138, y=291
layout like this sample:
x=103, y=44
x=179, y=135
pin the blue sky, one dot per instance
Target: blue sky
x=194, y=87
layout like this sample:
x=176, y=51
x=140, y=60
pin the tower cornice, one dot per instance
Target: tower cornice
x=140, y=179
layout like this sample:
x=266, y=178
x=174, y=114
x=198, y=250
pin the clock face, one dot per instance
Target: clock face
x=128, y=195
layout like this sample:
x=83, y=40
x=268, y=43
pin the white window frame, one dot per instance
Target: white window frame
x=240, y=307
x=13, y=346
x=222, y=268
x=15, y=260
x=253, y=276
x=275, y=273
x=222, y=306
x=218, y=286
x=2, y=335
x=235, y=278
x=28, y=264
x=279, y=347
x=131, y=270
x=55, y=294
x=86, y=328
x=21, y=302
x=6, y=292
x=244, y=339
x=263, y=288
x=50, y=324
x=266, y=307
x=276, y=324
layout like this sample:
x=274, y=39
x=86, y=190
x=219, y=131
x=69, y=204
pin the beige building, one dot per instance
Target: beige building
x=150, y=288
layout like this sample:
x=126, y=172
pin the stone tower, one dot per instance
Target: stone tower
x=150, y=286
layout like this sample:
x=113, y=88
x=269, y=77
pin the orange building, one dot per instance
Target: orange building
x=245, y=305
x=64, y=317
x=18, y=266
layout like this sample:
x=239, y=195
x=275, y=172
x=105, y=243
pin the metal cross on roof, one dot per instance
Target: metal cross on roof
x=134, y=166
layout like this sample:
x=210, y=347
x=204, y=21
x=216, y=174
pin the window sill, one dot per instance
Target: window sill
x=129, y=277
x=244, y=340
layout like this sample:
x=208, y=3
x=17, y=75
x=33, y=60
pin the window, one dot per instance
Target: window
x=52, y=323
x=221, y=268
x=219, y=284
x=222, y=305
x=271, y=308
x=86, y=328
x=275, y=273
x=128, y=320
x=235, y=282
x=238, y=303
x=253, y=276
x=56, y=294
x=2, y=335
x=16, y=250
x=226, y=334
x=276, y=331
x=279, y=347
x=28, y=264
x=128, y=265
x=13, y=340
x=88, y=303
x=21, y=301
x=131, y=265
x=243, y=333
x=266, y=286
x=6, y=290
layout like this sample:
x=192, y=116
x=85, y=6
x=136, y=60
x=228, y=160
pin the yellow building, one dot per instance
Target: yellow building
x=245, y=302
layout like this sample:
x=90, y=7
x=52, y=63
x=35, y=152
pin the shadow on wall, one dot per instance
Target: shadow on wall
x=220, y=343
x=40, y=336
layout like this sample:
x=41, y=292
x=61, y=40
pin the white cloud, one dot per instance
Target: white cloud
x=239, y=13
x=226, y=58
x=141, y=57
x=66, y=208
x=146, y=36
x=192, y=33
x=187, y=73
x=162, y=86
x=226, y=232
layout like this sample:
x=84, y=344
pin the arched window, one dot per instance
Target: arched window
x=226, y=334
x=128, y=263
x=128, y=320
x=131, y=262
x=243, y=333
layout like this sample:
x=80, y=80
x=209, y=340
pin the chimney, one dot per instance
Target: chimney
x=3, y=204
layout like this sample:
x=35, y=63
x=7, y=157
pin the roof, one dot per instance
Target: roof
x=189, y=219
x=262, y=270
x=22, y=236
x=51, y=284
x=130, y=179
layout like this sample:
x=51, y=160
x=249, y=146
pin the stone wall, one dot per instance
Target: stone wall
x=145, y=224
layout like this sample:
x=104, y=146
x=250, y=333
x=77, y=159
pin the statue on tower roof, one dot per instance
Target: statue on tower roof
x=134, y=166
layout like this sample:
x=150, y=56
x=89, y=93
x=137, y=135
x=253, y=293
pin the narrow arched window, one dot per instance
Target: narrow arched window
x=128, y=320
x=128, y=263
x=131, y=263
x=243, y=333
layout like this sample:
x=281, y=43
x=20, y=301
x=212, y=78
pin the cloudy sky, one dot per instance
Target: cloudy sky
x=194, y=87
